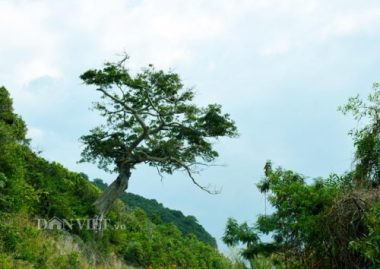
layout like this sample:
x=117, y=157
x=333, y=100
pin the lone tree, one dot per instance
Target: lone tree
x=149, y=118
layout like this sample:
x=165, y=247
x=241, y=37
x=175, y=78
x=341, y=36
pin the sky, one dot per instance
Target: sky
x=280, y=68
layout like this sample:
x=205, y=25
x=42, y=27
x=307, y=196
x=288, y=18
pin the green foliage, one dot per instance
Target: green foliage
x=9, y=121
x=299, y=209
x=160, y=214
x=302, y=226
x=369, y=245
x=367, y=137
x=164, y=245
x=242, y=234
x=31, y=187
x=324, y=223
x=16, y=193
x=150, y=118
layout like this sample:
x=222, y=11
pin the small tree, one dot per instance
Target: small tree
x=150, y=118
x=366, y=137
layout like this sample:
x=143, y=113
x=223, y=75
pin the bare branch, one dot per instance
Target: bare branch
x=159, y=173
x=123, y=60
x=209, y=165
x=183, y=165
x=190, y=174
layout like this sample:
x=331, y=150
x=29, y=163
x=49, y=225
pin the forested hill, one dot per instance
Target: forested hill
x=35, y=192
x=158, y=213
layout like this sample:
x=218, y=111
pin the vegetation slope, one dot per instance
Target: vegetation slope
x=32, y=188
x=160, y=214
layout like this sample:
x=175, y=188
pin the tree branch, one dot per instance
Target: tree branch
x=153, y=106
x=133, y=111
x=145, y=128
x=190, y=174
x=183, y=165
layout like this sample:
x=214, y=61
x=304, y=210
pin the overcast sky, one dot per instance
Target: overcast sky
x=280, y=68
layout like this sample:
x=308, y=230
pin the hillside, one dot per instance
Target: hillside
x=33, y=190
x=158, y=213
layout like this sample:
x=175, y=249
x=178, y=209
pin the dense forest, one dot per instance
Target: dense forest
x=32, y=188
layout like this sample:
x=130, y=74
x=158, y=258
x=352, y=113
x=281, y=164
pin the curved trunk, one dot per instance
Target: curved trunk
x=112, y=192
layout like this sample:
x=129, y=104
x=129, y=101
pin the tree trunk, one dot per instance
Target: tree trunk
x=112, y=192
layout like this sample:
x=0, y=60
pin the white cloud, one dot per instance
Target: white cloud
x=282, y=46
x=29, y=47
x=354, y=21
x=153, y=31
x=40, y=34
x=295, y=24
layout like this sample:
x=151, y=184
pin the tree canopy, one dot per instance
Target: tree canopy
x=150, y=118
x=367, y=136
